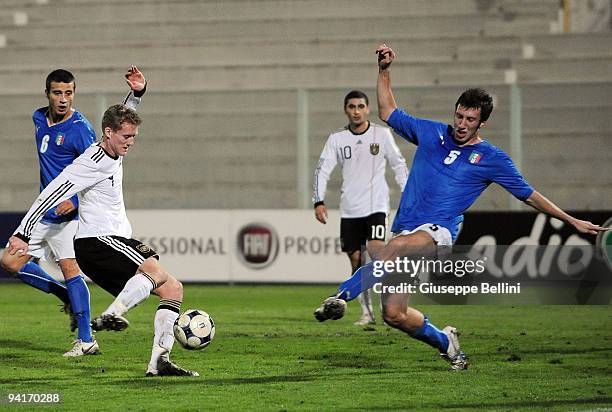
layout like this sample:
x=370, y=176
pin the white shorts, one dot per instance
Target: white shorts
x=53, y=241
x=439, y=234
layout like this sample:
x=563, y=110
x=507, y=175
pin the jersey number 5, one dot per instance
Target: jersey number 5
x=452, y=156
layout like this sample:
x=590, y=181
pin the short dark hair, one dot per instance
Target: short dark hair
x=477, y=99
x=356, y=94
x=59, y=76
x=118, y=114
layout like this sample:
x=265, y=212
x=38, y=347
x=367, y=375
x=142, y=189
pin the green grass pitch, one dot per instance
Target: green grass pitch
x=270, y=354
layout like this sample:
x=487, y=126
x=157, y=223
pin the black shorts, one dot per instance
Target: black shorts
x=355, y=232
x=110, y=261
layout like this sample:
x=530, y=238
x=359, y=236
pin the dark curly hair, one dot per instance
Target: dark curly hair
x=477, y=99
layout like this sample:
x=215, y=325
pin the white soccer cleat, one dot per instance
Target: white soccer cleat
x=81, y=348
x=453, y=354
x=365, y=320
x=331, y=308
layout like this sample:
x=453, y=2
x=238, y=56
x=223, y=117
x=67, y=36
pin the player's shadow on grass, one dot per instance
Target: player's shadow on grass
x=521, y=405
x=205, y=380
x=27, y=345
x=21, y=381
x=545, y=351
x=350, y=360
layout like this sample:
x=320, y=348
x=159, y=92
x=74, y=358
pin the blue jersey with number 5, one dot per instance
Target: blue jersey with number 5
x=58, y=146
x=446, y=179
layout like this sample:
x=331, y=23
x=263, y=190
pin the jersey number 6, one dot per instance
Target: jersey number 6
x=44, y=143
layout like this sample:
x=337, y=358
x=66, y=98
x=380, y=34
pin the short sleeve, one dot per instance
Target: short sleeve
x=507, y=176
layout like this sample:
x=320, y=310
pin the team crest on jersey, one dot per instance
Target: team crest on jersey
x=374, y=148
x=143, y=248
x=475, y=158
x=59, y=140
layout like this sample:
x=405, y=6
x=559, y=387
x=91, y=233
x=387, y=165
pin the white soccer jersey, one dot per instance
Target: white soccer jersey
x=98, y=179
x=363, y=158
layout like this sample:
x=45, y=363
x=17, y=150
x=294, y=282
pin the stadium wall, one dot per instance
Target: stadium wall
x=289, y=246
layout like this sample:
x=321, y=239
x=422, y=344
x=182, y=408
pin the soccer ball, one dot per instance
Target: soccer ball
x=194, y=329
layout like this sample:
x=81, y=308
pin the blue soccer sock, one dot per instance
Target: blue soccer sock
x=79, y=299
x=34, y=275
x=432, y=336
x=362, y=279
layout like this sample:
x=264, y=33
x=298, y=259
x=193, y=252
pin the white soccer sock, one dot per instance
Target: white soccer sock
x=365, y=300
x=136, y=290
x=166, y=315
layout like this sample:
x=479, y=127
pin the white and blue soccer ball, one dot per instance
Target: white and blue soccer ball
x=194, y=329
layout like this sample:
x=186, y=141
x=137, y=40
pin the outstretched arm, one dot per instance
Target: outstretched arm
x=541, y=203
x=77, y=176
x=59, y=190
x=386, y=101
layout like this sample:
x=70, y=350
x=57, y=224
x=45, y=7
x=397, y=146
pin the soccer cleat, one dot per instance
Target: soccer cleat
x=167, y=368
x=83, y=348
x=453, y=354
x=109, y=321
x=67, y=309
x=331, y=308
x=365, y=320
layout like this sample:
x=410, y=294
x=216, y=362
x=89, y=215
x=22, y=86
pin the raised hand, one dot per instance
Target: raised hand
x=135, y=79
x=386, y=55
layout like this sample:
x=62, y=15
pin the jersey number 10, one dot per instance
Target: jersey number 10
x=378, y=232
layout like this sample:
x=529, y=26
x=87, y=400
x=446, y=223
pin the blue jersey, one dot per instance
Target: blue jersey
x=58, y=146
x=446, y=179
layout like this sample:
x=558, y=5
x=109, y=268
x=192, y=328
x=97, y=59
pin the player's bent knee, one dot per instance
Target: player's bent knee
x=171, y=289
x=175, y=284
x=393, y=317
x=152, y=267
